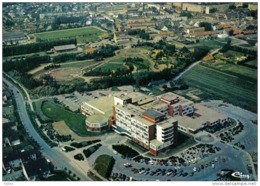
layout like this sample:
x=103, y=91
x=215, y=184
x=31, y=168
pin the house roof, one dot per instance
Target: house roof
x=36, y=167
x=25, y=156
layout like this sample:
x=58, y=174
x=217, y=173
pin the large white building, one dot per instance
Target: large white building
x=152, y=122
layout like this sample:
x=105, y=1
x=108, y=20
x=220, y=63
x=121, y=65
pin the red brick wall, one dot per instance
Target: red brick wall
x=175, y=132
x=151, y=132
x=149, y=118
x=153, y=152
x=170, y=110
x=180, y=110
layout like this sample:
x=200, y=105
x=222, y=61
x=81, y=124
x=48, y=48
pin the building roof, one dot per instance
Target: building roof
x=24, y=156
x=156, y=143
x=36, y=167
x=167, y=123
x=205, y=115
x=153, y=113
x=169, y=96
x=154, y=105
x=13, y=36
x=144, y=121
x=65, y=47
x=98, y=118
x=102, y=105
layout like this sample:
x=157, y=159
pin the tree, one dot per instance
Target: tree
x=206, y=25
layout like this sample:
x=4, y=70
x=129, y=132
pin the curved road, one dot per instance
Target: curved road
x=55, y=156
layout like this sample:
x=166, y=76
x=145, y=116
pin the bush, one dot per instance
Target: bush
x=104, y=165
x=125, y=150
x=84, y=143
x=79, y=157
x=91, y=150
x=68, y=149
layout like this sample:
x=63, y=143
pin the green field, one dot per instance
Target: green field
x=111, y=66
x=84, y=34
x=75, y=122
x=234, y=84
x=208, y=44
x=79, y=64
x=115, y=63
x=252, y=63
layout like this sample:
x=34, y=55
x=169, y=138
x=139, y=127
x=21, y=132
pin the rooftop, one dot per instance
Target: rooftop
x=36, y=167
x=153, y=113
x=206, y=115
x=155, y=142
x=167, y=123
x=102, y=105
x=64, y=47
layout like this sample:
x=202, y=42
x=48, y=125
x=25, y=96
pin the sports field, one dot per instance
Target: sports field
x=234, y=84
x=84, y=34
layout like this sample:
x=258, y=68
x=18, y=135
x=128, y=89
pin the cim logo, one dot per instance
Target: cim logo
x=239, y=175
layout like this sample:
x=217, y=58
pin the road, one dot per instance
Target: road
x=193, y=65
x=53, y=154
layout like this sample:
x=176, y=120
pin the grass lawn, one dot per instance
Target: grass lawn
x=111, y=66
x=84, y=34
x=252, y=63
x=235, y=86
x=93, y=176
x=75, y=122
x=104, y=165
x=208, y=44
x=79, y=64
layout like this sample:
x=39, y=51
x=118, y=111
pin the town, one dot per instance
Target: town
x=129, y=91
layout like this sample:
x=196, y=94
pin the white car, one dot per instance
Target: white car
x=141, y=172
x=195, y=169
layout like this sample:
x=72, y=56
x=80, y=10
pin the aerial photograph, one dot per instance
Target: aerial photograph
x=130, y=91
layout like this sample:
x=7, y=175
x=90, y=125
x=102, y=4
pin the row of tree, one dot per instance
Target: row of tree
x=35, y=47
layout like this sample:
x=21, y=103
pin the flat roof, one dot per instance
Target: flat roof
x=167, y=123
x=12, y=36
x=104, y=104
x=154, y=105
x=211, y=114
x=64, y=47
x=144, y=121
x=97, y=118
x=155, y=142
x=190, y=123
x=153, y=113
x=169, y=96
x=206, y=114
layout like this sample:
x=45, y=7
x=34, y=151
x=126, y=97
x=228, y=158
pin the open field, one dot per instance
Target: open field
x=78, y=64
x=74, y=121
x=238, y=87
x=208, y=44
x=85, y=34
x=111, y=66
x=63, y=129
x=252, y=63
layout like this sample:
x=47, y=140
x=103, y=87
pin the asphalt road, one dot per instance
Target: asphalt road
x=53, y=154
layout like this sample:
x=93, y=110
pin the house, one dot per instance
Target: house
x=10, y=136
x=36, y=168
x=14, y=160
